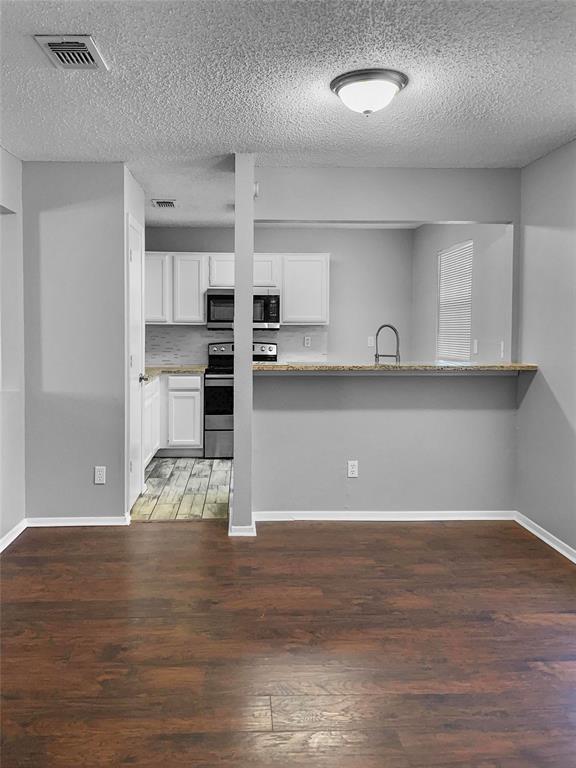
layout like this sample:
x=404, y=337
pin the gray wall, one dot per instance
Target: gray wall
x=388, y=194
x=12, y=460
x=428, y=444
x=74, y=246
x=547, y=414
x=491, y=287
x=422, y=444
x=370, y=283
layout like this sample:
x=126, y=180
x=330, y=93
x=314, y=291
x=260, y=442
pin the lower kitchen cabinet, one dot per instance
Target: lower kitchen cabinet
x=151, y=419
x=184, y=418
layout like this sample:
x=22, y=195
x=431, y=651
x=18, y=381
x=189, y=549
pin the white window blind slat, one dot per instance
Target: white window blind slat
x=455, y=302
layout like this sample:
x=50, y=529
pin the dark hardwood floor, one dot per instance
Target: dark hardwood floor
x=314, y=645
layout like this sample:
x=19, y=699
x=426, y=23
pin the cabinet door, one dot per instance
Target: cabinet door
x=151, y=420
x=147, y=447
x=222, y=270
x=305, y=288
x=155, y=422
x=189, y=286
x=157, y=288
x=184, y=419
x=266, y=270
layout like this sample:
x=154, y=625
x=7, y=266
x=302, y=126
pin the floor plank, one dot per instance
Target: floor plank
x=444, y=645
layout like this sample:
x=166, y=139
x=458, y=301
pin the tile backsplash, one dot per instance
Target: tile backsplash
x=183, y=344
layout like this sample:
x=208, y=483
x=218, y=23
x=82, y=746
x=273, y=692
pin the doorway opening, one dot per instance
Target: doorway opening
x=180, y=489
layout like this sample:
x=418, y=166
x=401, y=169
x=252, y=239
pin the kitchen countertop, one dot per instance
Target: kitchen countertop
x=418, y=369
x=414, y=369
x=154, y=371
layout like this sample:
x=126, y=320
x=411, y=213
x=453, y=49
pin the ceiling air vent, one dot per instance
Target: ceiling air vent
x=71, y=51
x=164, y=203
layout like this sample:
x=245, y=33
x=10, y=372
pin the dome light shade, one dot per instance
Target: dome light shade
x=368, y=90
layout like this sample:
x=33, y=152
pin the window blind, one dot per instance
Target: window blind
x=455, y=302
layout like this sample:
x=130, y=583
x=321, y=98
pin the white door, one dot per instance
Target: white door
x=184, y=419
x=305, y=288
x=135, y=358
x=157, y=306
x=189, y=287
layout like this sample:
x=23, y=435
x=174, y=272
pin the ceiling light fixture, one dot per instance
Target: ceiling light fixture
x=368, y=90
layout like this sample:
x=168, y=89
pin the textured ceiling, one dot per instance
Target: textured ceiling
x=491, y=84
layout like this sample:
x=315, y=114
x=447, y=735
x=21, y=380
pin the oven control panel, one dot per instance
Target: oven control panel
x=265, y=351
x=222, y=353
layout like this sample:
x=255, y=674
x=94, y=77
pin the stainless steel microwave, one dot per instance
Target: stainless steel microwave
x=220, y=309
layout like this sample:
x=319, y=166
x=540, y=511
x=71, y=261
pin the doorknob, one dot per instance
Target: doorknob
x=143, y=377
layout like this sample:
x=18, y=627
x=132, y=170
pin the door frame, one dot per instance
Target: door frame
x=131, y=221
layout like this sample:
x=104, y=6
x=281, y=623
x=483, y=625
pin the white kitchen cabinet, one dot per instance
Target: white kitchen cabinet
x=305, y=288
x=266, y=270
x=221, y=270
x=175, y=286
x=151, y=420
x=185, y=418
x=157, y=288
x=189, y=284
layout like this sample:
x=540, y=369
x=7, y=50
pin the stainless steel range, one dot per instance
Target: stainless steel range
x=219, y=395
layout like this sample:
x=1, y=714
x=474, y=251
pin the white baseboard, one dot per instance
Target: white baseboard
x=388, y=517
x=548, y=538
x=58, y=522
x=242, y=530
x=337, y=515
x=12, y=534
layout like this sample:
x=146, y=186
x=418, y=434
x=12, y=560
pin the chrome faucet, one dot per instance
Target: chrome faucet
x=377, y=356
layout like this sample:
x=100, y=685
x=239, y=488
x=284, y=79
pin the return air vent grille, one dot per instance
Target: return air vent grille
x=71, y=51
x=164, y=203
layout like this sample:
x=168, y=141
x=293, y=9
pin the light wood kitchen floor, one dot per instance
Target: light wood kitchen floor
x=184, y=489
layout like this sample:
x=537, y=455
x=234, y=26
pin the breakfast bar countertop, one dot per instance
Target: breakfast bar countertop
x=417, y=369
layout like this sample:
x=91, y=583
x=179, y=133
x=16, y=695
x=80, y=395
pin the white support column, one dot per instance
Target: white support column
x=241, y=520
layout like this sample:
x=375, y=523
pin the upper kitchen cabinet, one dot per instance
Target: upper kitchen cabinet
x=158, y=293
x=266, y=270
x=175, y=286
x=189, y=284
x=221, y=270
x=305, y=288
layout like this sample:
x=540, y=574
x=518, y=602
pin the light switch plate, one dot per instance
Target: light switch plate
x=370, y=341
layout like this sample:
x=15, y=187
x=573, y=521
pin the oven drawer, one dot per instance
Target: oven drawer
x=219, y=444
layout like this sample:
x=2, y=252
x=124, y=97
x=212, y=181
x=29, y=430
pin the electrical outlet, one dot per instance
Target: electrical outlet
x=370, y=341
x=475, y=347
x=353, y=468
x=99, y=475
x=307, y=341
x=502, y=350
